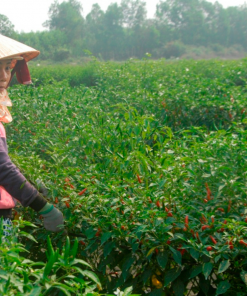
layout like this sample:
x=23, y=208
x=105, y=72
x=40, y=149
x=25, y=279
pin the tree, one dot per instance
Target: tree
x=6, y=27
x=185, y=17
x=94, y=29
x=66, y=17
x=47, y=42
x=113, y=31
x=134, y=13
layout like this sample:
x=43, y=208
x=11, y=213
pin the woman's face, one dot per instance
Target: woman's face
x=5, y=74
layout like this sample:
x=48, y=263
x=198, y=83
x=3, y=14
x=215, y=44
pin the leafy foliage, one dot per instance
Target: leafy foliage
x=62, y=271
x=148, y=167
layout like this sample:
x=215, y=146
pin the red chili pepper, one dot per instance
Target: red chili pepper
x=245, y=220
x=225, y=222
x=209, y=248
x=167, y=210
x=205, y=227
x=231, y=247
x=208, y=192
x=168, y=242
x=56, y=200
x=213, y=239
x=182, y=251
x=158, y=204
x=212, y=218
x=229, y=206
x=186, y=220
x=197, y=236
x=98, y=232
x=221, y=210
x=123, y=227
x=82, y=192
x=82, y=242
x=169, y=214
x=139, y=179
x=71, y=186
x=242, y=242
x=156, y=251
x=204, y=219
x=67, y=204
x=205, y=200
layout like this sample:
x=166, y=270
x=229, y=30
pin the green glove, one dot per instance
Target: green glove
x=53, y=218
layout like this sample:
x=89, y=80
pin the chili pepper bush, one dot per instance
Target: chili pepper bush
x=149, y=167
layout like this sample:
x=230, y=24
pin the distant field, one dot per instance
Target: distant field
x=160, y=148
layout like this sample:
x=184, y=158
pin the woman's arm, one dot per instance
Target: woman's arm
x=15, y=183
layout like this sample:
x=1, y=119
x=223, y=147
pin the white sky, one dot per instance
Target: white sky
x=29, y=15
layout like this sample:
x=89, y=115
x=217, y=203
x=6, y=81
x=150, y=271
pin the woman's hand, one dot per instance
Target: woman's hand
x=53, y=218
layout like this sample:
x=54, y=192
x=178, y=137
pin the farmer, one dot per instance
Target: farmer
x=13, y=185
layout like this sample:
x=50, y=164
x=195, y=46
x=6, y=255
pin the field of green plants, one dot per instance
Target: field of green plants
x=148, y=162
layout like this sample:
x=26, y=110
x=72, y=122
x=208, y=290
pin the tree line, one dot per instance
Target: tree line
x=124, y=31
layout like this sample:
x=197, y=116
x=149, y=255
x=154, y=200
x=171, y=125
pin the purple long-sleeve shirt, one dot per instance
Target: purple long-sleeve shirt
x=13, y=185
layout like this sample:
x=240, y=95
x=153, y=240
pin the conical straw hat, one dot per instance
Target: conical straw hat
x=10, y=48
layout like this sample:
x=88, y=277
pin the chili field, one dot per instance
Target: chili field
x=147, y=160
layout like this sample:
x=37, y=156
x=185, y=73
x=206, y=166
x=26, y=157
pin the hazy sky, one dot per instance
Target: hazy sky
x=29, y=15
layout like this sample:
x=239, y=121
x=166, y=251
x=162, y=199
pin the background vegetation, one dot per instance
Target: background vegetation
x=190, y=29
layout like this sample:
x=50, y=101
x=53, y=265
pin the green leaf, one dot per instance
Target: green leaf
x=195, y=271
x=73, y=252
x=207, y=268
x=222, y=287
x=66, y=249
x=22, y=233
x=224, y=266
x=92, y=276
x=126, y=266
x=80, y=261
x=171, y=275
x=217, y=258
x=146, y=275
x=90, y=233
x=162, y=259
x=62, y=288
x=162, y=183
x=108, y=247
x=176, y=255
x=36, y=291
x=243, y=276
x=151, y=251
x=105, y=237
x=127, y=291
x=178, y=287
x=156, y=292
x=195, y=254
